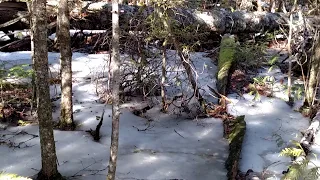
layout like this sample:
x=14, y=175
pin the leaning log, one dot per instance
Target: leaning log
x=98, y=16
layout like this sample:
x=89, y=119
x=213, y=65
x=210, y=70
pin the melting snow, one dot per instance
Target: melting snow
x=172, y=148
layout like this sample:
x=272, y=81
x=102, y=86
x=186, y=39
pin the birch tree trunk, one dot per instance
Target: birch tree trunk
x=163, y=79
x=44, y=111
x=115, y=73
x=259, y=6
x=63, y=27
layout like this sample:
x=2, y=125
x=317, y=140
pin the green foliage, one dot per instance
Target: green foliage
x=17, y=71
x=297, y=91
x=254, y=91
x=295, y=151
x=250, y=57
x=20, y=71
x=291, y=152
x=262, y=82
x=273, y=60
x=313, y=173
x=299, y=168
x=296, y=171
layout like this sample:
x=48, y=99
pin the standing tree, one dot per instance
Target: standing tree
x=313, y=75
x=44, y=112
x=115, y=74
x=63, y=28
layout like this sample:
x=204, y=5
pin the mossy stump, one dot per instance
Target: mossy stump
x=235, y=139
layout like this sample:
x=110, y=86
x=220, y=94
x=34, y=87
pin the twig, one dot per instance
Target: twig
x=86, y=169
x=145, y=129
x=14, y=145
x=178, y=133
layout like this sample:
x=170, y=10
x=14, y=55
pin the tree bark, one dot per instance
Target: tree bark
x=272, y=8
x=44, y=111
x=259, y=6
x=115, y=73
x=63, y=28
x=313, y=75
x=163, y=79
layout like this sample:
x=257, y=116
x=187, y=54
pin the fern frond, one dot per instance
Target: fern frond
x=291, y=152
x=294, y=173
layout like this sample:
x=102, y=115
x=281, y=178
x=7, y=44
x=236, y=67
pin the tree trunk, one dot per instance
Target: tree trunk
x=63, y=28
x=313, y=75
x=115, y=73
x=272, y=8
x=163, y=79
x=44, y=111
x=246, y=5
x=282, y=6
x=259, y=7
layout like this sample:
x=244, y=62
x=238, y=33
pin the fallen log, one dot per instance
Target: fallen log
x=226, y=58
x=310, y=134
x=217, y=20
x=98, y=16
x=18, y=45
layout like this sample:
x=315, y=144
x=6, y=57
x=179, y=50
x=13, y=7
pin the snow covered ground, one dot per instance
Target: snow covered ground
x=271, y=125
x=170, y=148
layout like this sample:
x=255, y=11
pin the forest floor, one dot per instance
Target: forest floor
x=157, y=145
x=161, y=146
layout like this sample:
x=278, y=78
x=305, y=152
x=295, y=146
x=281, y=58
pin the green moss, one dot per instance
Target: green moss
x=226, y=57
x=235, y=139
